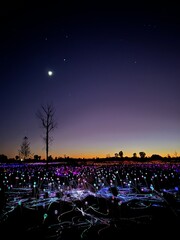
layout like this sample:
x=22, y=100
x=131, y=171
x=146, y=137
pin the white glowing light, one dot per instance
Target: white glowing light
x=50, y=73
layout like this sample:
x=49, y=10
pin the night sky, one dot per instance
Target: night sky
x=115, y=83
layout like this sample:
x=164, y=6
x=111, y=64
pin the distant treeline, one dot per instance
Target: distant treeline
x=69, y=160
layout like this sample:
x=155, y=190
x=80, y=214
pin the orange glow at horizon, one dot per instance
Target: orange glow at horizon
x=97, y=154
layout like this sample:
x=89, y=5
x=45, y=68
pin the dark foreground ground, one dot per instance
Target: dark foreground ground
x=135, y=219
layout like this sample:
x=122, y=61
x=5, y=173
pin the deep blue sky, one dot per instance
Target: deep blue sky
x=115, y=83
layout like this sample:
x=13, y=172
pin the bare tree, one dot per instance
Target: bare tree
x=25, y=148
x=46, y=117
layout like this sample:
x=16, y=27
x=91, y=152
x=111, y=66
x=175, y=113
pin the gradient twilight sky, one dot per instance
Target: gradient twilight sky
x=115, y=83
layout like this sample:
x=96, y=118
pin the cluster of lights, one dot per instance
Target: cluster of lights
x=33, y=187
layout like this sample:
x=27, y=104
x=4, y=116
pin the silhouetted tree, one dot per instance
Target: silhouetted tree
x=50, y=158
x=116, y=155
x=142, y=154
x=134, y=155
x=156, y=157
x=25, y=148
x=121, y=154
x=46, y=117
x=37, y=157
